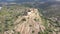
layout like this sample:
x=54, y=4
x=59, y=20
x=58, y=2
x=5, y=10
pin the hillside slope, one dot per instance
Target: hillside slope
x=25, y=20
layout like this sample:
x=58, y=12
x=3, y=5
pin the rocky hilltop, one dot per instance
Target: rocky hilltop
x=30, y=23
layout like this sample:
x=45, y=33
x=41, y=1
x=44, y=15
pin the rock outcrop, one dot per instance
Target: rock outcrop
x=30, y=23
